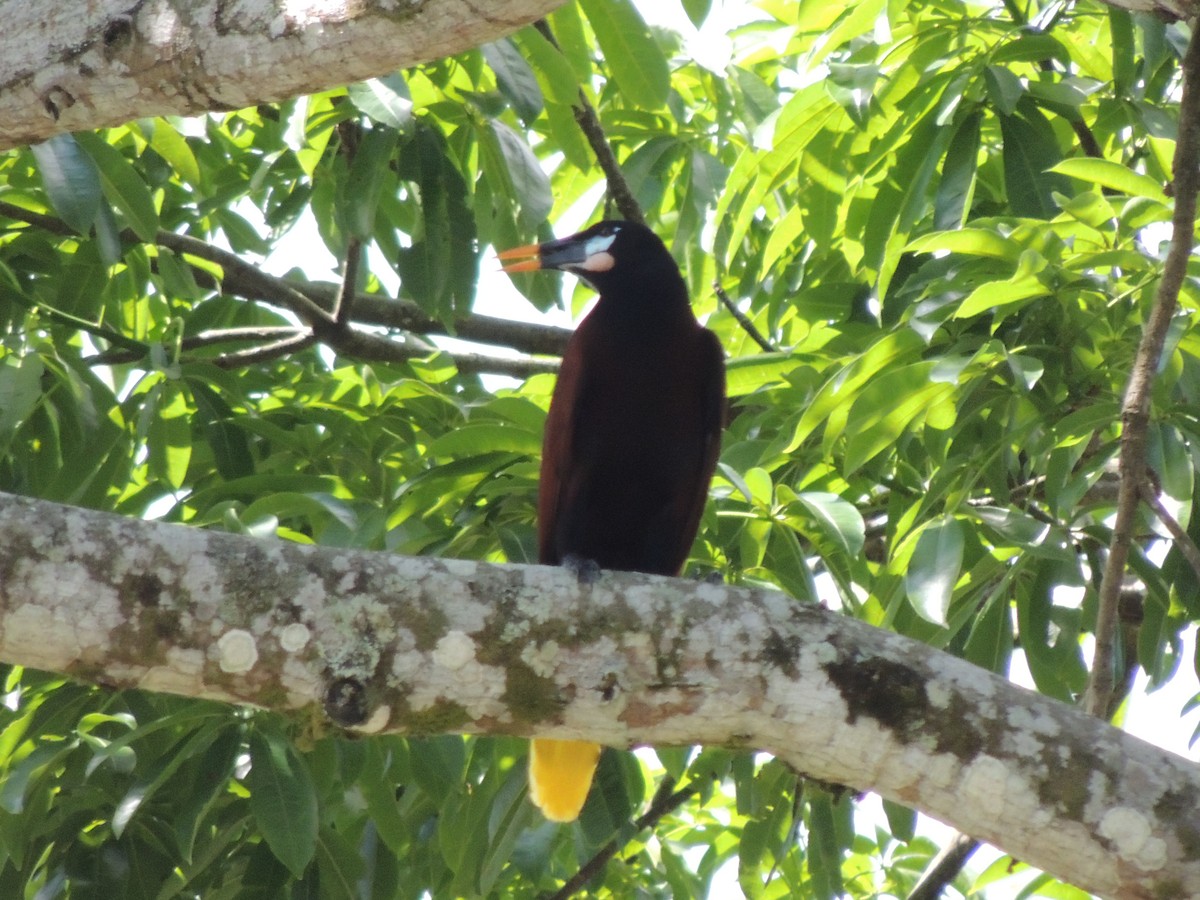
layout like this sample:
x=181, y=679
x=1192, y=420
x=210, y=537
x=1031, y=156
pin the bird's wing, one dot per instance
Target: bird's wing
x=712, y=409
x=557, y=448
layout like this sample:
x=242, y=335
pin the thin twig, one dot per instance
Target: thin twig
x=664, y=802
x=253, y=334
x=1182, y=539
x=238, y=359
x=593, y=130
x=741, y=318
x=344, y=301
x=1135, y=409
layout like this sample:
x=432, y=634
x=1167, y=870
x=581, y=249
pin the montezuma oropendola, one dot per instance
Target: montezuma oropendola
x=631, y=438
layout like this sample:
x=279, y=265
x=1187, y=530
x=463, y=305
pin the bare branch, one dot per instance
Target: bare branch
x=944, y=868
x=593, y=130
x=344, y=301
x=663, y=803
x=268, y=352
x=1135, y=409
x=315, y=305
x=1182, y=539
x=281, y=292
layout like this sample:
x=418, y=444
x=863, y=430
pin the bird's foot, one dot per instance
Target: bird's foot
x=585, y=570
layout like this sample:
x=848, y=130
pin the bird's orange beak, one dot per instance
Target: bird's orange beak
x=522, y=253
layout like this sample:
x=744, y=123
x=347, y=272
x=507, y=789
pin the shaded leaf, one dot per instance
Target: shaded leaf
x=282, y=799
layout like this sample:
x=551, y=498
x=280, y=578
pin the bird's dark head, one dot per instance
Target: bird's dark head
x=610, y=255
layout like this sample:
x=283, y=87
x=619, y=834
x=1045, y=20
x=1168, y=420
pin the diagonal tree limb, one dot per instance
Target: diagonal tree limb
x=665, y=801
x=944, y=868
x=742, y=319
x=1135, y=409
x=1182, y=539
x=589, y=123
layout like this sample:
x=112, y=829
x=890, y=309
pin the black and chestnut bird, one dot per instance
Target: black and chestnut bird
x=631, y=438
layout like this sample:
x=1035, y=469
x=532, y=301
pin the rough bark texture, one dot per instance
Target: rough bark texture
x=81, y=64
x=389, y=643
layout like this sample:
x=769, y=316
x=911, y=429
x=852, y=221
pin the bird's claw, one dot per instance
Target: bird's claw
x=586, y=571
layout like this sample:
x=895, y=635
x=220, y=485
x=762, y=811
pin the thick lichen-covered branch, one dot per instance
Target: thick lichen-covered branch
x=419, y=645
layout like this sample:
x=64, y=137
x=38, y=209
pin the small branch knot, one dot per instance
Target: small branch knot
x=346, y=702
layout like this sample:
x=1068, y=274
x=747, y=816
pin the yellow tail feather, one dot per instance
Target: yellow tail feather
x=560, y=774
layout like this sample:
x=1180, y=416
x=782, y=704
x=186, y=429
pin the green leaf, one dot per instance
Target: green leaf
x=1004, y=88
x=697, y=10
x=123, y=185
x=71, y=179
x=952, y=202
x=635, y=58
x=825, y=850
x=476, y=440
x=1120, y=26
x=831, y=405
x=369, y=172
x=992, y=296
x=340, y=864
x=971, y=241
x=20, y=391
x=167, y=142
x=934, y=568
x=555, y=75
x=439, y=270
x=902, y=820
x=1030, y=152
x=515, y=78
x=529, y=184
x=889, y=406
x=837, y=518
x=746, y=374
x=1106, y=173
x=385, y=100
x=379, y=792
x=282, y=798
x=990, y=642
x=169, y=435
x=439, y=764
x=577, y=46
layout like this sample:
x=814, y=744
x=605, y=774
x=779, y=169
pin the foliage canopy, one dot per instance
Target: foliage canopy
x=944, y=219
